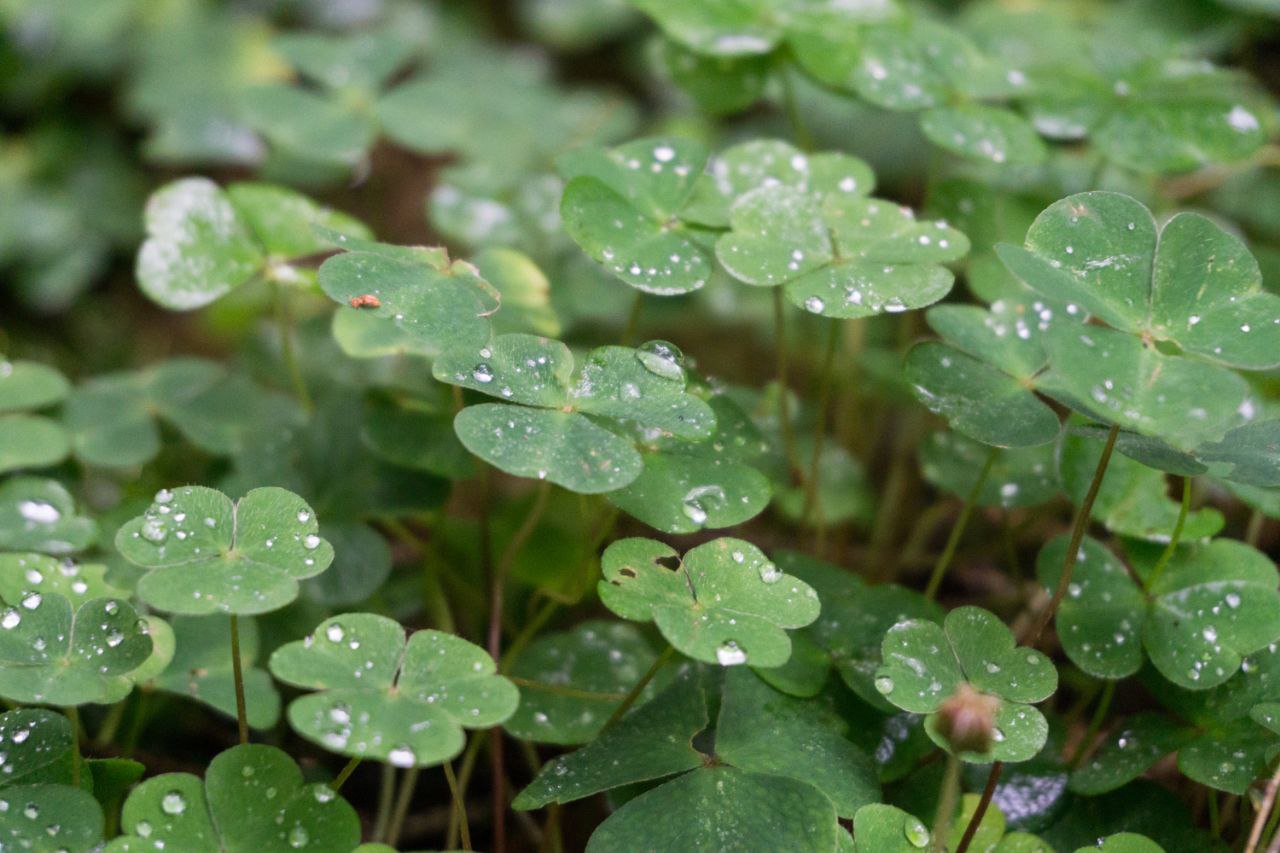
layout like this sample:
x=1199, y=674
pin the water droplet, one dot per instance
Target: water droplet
x=814, y=304
x=298, y=837
x=312, y=542
x=173, y=803
x=769, y=573
x=401, y=756
x=662, y=359
x=335, y=633
x=729, y=653
x=154, y=530
x=482, y=373
x=884, y=684
x=164, y=496
x=914, y=830
x=39, y=512
x=31, y=600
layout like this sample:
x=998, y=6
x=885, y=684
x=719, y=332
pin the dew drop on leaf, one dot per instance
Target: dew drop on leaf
x=884, y=684
x=729, y=653
x=173, y=803
x=914, y=830
x=662, y=359
x=402, y=756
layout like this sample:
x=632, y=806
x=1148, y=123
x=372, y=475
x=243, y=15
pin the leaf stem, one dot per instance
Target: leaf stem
x=1077, y=535
x=459, y=806
x=633, y=320
x=634, y=693
x=1095, y=724
x=284, y=327
x=237, y=674
x=784, y=401
x=948, y=796
x=1253, y=532
x=957, y=529
x=73, y=716
x=403, y=800
x=110, y=724
x=344, y=774
x=812, y=497
x=1264, y=811
x=386, y=794
x=791, y=106
x=988, y=791
x=1167, y=554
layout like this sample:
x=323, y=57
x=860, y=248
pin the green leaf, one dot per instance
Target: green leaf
x=884, y=260
x=989, y=831
x=724, y=603
x=924, y=663
x=912, y=64
x=1133, y=499
x=1229, y=758
x=720, y=27
x=718, y=84
x=1190, y=283
x=253, y=799
x=301, y=122
x=563, y=447
x=778, y=234
x=198, y=249
x=651, y=742
x=52, y=654
x=22, y=573
x=361, y=565
x=29, y=385
x=31, y=441
x=49, y=817
x=1117, y=378
x=287, y=224
x=620, y=207
x=112, y=418
x=209, y=555
x=438, y=306
x=1019, y=477
x=414, y=433
x=723, y=808
x=571, y=681
x=1212, y=605
x=1123, y=842
x=201, y=669
x=881, y=828
x=984, y=133
x=978, y=400
x=358, y=60
x=1252, y=452
x=380, y=697
x=32, y=739
x=1127, y=753
x=40, y=515
x=766, y=732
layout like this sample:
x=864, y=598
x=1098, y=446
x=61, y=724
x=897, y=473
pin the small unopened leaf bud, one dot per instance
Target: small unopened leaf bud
x=967, y=720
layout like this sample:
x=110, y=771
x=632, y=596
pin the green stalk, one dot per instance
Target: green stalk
x=1095, y=724
x=110, y=724
x=784, y=401
x=633, y=320
x=1253, y=533
x=284, y=326
x=459, y=808
x=1169, y=550
x=403, y=801
x=386, y=795
x=1215, y=820
x=1077, y=535
x=345, y=774
x=957, y=529
x=812, y=499
x=73, y=716
x=242, y=720
x=988, y=791
x=634, y=693
x=948, y=796
x=791, y=106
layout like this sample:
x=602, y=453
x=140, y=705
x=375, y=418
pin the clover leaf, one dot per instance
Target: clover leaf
x=621, y=206
x=55, y=654
x=403, y=703
x=40, y=515
x=759, y=735
x=113, y=418
x=925, y=662
x=201, y=669
x=839, y=253
x=33, y=739
x=52, y=817
x=1211, y=605
x=418, y=294
x=253, y=798
x=22, y=573
x=206, y=554
x=204, y=241
x=553, y=432
x=27, y=439
x=725, y=602
x=881, y=827
x=984, y=133
x=571, y=681
x=1190, y=284
x=981, y=377
x=689, y=486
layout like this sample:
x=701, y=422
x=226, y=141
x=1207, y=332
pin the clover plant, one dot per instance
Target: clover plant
x=624, y=425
